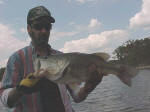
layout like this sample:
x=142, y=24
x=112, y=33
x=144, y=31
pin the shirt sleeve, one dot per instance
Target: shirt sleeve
x=11, y=78
x=4, y=97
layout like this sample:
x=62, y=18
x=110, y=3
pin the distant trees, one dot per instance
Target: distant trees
x=1, y=72
x=134, y=52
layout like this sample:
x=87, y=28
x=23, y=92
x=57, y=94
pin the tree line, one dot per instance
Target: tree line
x=132, y=52
x=2, y=72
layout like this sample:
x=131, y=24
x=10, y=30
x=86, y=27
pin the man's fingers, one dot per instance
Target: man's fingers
x=40, y=73
x=28, y=82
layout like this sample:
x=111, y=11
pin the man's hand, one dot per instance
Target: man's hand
x=29, y=84
x=89, y=86
x=93, y=81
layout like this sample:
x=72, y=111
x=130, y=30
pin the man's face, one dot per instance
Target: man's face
x=40, y=31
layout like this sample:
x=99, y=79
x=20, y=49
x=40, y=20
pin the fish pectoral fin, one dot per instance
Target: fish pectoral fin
x=103, y=55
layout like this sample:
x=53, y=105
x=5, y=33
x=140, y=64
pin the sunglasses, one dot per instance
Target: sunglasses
x=40, y=26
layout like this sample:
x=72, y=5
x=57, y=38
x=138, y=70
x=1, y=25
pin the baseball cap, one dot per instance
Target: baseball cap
x=38, y=12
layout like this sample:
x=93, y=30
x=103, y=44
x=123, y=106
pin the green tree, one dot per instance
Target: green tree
x=134, y=52
x=1, y=72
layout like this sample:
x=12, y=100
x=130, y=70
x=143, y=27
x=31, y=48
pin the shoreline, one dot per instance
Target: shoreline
x=143, y=67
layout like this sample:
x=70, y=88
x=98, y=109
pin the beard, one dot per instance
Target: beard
x=41, y=40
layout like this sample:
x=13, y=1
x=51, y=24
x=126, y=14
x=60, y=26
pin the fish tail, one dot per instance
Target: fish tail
x=126, y=73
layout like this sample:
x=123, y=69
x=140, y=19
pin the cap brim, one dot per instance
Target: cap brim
x=52, y=20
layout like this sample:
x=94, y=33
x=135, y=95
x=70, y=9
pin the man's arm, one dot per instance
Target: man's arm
x=88, y=87
x=10, y=80
x=13, y=76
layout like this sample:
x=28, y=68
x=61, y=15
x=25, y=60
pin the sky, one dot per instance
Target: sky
x=86, y=26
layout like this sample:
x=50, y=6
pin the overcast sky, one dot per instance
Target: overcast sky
x=81, y=25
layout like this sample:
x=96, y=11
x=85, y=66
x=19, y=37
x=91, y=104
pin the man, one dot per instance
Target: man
x=27, y=94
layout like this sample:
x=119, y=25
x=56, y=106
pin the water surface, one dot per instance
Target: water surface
x=113, y=96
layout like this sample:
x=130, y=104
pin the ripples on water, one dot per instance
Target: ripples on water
x=113, y=96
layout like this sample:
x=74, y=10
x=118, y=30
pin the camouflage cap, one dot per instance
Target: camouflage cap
x=37, y=12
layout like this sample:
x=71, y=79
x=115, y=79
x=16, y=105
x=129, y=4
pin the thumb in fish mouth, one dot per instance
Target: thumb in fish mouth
x=40, y=73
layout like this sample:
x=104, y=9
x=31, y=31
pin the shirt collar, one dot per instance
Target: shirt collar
x=35, y=53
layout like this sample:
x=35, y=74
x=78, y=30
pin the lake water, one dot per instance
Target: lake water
x=114, y=96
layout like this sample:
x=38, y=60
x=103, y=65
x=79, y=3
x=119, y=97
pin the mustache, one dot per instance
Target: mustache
x=43, y=38
x=43, y=35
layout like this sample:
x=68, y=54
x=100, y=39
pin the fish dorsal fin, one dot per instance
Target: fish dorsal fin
x=103, y=55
